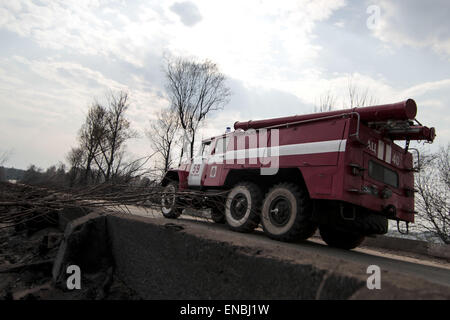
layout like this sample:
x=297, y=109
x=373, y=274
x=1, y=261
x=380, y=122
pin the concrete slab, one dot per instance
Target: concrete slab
x=186, y=259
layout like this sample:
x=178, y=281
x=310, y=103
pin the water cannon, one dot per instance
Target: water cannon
x=412, y=133
x=395, y=120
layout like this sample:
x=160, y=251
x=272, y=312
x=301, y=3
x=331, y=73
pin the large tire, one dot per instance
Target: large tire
x=371, y=224
x=242, y=207
x=365, y=223
x=169, y=204
x=340, y=239
x=286, y=213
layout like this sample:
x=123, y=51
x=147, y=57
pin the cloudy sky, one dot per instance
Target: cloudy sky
x=279, y=57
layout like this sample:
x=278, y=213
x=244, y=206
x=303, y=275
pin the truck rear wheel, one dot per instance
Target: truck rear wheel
x=169, y=204
x=286, y=213
x=242, y=207
x=368, y=223
x=340, y=239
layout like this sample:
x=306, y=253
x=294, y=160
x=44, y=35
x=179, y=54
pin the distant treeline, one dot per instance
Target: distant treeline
x=11, y=174
x=57, y=176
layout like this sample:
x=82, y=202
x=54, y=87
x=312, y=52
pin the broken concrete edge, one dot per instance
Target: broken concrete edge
x=66, y=215
x=430, y=249
x=439, y=250
x=85, y=244
x=248, y=244
x=157, y=249
x=323, y=282
x=410, y=245
x=162, y=262
x=406, y=245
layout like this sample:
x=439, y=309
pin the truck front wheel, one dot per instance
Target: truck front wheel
x=218, y=211
x=242, y=207
x=286, y=213
x=340, y=239
x=169, y=205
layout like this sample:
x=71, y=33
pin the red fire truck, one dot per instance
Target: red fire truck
x=339, y=171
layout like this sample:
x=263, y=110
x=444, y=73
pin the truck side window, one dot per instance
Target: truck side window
x=383, y=174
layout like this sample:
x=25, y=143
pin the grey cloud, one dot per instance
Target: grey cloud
x=416, y=23
x=188, y=12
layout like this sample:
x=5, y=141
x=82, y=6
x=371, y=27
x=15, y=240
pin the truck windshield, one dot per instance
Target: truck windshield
x=206, y=149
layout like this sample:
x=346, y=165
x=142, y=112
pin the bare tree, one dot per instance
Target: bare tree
x=133, y=170
x=433, y=193
x=355, y=97
x=75, y=158
x=117, y=132
x=102, y=138
x=162, y=133
x=327, y=102
x=91, y=136
x=194, y=90
x=358, y=97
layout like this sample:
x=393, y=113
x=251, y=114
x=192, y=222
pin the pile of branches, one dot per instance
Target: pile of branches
x=20, y=204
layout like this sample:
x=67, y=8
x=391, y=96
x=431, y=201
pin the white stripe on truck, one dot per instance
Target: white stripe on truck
x=284, y=150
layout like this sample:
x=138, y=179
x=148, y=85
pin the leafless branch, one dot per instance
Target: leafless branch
x=194, y=90
x=433, y=194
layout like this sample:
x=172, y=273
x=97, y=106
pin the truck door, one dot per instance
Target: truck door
x=198, y=165
x=214, y=167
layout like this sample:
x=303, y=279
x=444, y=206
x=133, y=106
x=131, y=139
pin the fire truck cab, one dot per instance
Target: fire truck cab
x=340, y=172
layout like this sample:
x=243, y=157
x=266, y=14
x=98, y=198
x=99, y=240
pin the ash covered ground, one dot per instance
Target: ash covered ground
x=28, y=250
